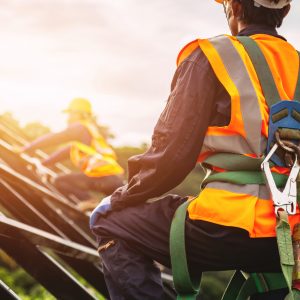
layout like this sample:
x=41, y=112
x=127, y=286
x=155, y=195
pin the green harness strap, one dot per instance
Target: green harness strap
x=241, y=170
x=243, y=285
x=187, y=288
x=264, y=73
x=233, y=162
x=262, y=69
x=245, y=177
x=285, y=248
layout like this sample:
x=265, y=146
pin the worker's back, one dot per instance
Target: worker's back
x=244, y=206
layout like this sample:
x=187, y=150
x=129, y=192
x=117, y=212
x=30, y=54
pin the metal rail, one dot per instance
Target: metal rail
x=44, y=232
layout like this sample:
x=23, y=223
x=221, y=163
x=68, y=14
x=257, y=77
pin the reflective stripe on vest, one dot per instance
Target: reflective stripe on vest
x=244, y=130
x=96, y=160
x=98, y=142
x=245, y=206
x=239, y=75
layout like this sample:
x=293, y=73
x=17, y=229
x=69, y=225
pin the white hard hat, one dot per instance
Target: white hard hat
x=267, y=3
x=271, y=4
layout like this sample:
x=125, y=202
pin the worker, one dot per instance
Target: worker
x=88, y=150
x=216, y=106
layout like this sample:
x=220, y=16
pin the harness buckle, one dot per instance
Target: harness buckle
x=287, y=199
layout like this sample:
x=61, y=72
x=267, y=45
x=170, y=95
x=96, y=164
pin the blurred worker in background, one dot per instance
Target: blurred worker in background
x=88, y=151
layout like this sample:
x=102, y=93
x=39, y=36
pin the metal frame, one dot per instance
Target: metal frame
x=43, y=231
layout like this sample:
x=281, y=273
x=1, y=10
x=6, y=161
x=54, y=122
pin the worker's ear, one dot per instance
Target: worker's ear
x=237, y=9
x=287, y=10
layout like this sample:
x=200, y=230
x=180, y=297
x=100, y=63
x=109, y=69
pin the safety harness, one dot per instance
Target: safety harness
x=284, y=134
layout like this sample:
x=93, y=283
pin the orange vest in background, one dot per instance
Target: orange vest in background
x=97, y=159
x=245, y=206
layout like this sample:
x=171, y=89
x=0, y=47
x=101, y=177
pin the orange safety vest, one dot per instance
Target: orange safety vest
x=97, y=159
x=245, y=206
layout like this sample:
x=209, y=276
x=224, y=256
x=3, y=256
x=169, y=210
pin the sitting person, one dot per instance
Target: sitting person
x=217, y=106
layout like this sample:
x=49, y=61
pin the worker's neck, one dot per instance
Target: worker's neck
x=241, y=26
x=253, y=29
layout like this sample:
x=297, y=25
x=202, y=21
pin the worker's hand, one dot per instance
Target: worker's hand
x=39, y=168
x=103, y=208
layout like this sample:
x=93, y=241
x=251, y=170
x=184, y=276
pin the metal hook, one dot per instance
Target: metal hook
x=286, y=199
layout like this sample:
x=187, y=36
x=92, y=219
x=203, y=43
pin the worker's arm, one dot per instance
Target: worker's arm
x=59, y=155
x=75, y=132
x=178, y=136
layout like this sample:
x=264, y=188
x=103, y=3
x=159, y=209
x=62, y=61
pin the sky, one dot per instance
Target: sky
x=119, y=54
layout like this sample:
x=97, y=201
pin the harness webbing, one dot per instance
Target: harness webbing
x=285, y=248
x=262, y=68
x=264, y=73
x=234, y=162
x=186, y=287
x=245, y=177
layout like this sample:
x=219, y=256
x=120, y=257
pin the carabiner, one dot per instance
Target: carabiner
x=286, y=199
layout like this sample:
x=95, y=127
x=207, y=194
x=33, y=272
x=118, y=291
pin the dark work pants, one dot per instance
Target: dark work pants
x=80, y=184
x=141, y=236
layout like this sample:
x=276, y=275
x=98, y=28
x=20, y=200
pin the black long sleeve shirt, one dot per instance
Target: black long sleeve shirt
x=197, y=101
